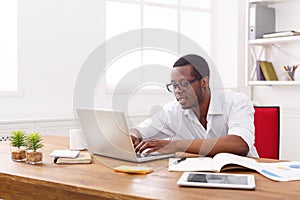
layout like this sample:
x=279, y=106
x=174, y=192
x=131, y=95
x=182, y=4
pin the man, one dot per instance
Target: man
x=200, y=121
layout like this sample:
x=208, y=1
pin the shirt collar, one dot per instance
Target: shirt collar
x=216, y=103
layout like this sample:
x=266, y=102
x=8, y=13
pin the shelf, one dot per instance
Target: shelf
x=270, y=83
x=278, y=50
x=277, y=40
x=268, y=2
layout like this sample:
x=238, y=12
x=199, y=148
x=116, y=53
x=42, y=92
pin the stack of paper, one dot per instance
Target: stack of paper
x=281, y=34
x=64, y=153
x=71, y=157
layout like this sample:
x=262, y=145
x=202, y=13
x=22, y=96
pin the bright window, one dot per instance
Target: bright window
x=175, y=15
x=8, y=45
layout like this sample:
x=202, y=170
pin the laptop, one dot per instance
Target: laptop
x=107, y=134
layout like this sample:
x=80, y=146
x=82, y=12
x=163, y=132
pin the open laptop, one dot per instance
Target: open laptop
x=106, y=133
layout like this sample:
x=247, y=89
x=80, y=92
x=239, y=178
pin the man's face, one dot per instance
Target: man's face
x=188, y=97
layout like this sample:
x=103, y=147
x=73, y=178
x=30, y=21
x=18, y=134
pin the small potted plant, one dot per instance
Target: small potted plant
x=34, y=145
x=17, y=141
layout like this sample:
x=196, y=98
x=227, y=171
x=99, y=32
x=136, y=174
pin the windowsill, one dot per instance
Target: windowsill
x=17, y=93
x=37, y=119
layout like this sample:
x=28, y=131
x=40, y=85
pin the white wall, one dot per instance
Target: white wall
x=55, y=37
x=224, y=40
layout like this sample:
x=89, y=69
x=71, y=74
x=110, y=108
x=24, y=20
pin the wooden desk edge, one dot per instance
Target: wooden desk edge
x=49, y=185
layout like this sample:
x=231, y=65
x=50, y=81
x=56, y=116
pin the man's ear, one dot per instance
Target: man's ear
x=204, y=82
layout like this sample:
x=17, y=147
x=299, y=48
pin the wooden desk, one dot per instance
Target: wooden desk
x=99, y=181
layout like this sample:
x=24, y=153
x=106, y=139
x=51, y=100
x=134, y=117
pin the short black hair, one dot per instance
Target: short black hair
x=200, y=66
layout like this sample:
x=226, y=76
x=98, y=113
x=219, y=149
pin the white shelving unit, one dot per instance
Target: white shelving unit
x=268, y=2
x=274, y=41
x=260, y=49
x=270, y=83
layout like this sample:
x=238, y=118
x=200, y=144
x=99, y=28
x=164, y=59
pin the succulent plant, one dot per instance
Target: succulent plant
x=34, y=141
x=17, y=138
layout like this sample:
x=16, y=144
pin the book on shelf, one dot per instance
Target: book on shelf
x=259, y=74
x=83, y=157
x=278, y=171
x=268, y=71
x=281, y=34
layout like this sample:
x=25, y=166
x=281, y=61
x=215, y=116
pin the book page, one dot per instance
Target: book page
x=223, y=159
x=280, y=171
x=211, y=164
x=192, y=164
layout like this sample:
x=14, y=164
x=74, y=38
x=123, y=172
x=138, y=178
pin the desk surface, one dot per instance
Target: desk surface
x=98, y=180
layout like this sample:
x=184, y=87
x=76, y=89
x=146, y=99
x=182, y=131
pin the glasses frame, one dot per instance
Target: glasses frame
x=179, y=85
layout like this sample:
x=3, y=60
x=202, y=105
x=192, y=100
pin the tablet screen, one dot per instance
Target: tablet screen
x=202, y=179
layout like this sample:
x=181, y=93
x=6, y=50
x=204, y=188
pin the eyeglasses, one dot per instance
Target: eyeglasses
x=183, y=85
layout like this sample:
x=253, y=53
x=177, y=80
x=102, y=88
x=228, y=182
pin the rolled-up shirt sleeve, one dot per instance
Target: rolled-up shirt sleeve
x=241, y=122
x=157, y=126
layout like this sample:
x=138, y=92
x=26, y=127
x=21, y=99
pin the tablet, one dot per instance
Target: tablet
x=217, y=180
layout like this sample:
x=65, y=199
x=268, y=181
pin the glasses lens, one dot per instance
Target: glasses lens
x=184, y=85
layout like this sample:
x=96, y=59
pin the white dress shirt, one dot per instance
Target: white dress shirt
x=229, y=113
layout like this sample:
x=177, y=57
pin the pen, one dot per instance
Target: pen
x=180, y=160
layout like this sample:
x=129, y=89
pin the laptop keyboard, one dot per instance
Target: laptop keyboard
x=143, y=155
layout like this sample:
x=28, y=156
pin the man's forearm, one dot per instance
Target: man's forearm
x=230, y=144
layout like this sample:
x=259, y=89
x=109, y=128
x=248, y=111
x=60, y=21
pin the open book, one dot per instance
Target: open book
x=278, y=171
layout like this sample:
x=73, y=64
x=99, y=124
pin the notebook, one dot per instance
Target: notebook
x=106, y=133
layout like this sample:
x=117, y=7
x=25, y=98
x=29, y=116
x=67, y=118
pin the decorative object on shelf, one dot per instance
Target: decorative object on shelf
x=268, y=70
x=34, y=144
x=17, y=141
x=297, y=74
x=290, y=71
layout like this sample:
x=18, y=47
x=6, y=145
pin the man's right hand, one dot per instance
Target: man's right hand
x=135, y=136
x=135, y=140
